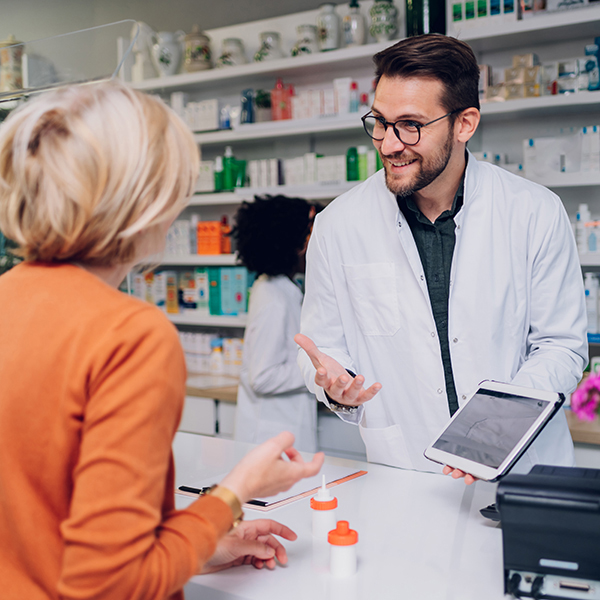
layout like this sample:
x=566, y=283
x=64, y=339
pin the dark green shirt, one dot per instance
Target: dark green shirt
x=435, y=243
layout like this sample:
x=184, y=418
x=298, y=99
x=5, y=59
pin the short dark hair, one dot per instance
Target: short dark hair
x=435, y=56
x=270, y=232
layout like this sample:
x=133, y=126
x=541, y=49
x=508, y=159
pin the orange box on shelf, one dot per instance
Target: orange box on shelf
x=209, y=237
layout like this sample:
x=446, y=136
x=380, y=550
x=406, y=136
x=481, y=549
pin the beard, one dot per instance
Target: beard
x=430, y=169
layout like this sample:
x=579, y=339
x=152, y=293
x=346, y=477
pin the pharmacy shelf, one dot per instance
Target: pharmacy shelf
x=208, y=320
x=318, y=191
x=360, y=56
x=549, y=28
x=568, y=180
x=542, y=106
x=278, y=129
x=590, y=259
x=208, y=260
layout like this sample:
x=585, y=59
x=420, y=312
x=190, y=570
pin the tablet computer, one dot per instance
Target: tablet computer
x=489, y=433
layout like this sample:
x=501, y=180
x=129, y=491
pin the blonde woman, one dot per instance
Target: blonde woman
x=92, y=381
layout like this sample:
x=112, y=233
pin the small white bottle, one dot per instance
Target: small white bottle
x=216, y=360
x=583, y=216
x=323, y=507
x=591, y=301
x=343, y=542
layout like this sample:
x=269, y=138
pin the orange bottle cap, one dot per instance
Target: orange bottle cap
x=342, y=535
x=323, y=504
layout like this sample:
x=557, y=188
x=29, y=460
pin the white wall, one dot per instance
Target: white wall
x=33, y=19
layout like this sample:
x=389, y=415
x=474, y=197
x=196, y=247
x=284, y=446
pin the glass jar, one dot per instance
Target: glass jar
x=383, y=20
x=232, y=53
x=11, y=72
x=270, y=47
x=197, y=51
x=328, y=25
x=307, y=40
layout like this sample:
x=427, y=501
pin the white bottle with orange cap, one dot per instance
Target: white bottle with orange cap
x=343, y=542
x=323, y=505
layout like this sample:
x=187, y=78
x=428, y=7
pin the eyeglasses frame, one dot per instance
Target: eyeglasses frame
x=387, y=124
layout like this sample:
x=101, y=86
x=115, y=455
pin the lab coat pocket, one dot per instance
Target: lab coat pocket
x=374, y=298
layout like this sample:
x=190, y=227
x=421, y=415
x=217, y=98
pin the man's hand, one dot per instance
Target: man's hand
x=251, y=542
x=457, y=474
x=264, y=471
x=334, y=379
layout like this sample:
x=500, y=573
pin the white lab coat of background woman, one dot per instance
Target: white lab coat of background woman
x=272, y=396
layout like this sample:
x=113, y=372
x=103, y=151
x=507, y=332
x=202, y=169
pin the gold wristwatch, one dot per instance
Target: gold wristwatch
x=231, y=500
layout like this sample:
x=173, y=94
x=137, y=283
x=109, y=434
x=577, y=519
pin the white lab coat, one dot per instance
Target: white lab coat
x=272, y=396
x=516, y=309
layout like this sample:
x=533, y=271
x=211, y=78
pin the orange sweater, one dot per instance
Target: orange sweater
x=91, y=391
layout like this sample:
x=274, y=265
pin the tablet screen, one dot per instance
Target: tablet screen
x=489, y=426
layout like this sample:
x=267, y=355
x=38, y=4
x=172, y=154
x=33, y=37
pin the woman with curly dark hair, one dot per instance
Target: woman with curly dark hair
x=271, y=235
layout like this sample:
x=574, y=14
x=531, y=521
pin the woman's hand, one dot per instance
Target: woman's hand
x=264, y=471
x=251, y=542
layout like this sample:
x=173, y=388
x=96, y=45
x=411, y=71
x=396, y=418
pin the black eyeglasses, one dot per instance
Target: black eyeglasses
x=408, y=132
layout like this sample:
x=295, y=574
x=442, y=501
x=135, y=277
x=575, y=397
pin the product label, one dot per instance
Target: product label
x=457, y=12
x=469, y=10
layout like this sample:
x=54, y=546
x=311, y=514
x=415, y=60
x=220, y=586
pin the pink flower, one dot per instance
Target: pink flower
x=585, y=401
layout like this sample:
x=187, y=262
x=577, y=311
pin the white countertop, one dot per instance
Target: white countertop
x=421, y=536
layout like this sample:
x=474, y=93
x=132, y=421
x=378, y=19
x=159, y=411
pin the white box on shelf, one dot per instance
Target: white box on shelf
x=328, y=109
x=263, y=173
x=208, y=115
x=178, y=102
x=206, y=177
x=341, y=90
x=315, y=103
x=310, y=167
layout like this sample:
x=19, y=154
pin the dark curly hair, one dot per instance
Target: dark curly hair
x=270, y=233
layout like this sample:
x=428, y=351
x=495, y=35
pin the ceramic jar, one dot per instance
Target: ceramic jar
x=307, y=40
x=197, y=51
x=167, y=51
x=270, y=47
x=11, y=73
x=383, y=20
x=232, y=53
x=328, y=26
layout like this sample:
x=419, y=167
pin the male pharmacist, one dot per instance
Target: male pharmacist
x=438, y=272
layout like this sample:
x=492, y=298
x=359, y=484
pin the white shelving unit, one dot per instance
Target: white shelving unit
x=208, y=320
x=344, y=59
x=509, y=122
x=538, y=30
x=209, y=260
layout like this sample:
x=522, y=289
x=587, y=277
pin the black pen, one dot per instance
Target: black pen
x=191, y=490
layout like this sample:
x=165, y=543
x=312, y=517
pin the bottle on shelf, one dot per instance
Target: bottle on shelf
x=591, y=301
x=425, y=16
x=353, y=26
x=216, y=360
x=363, y=164
x=583, y=216
x=354, y=97
x=281, y=101
x=352, y=164
x=219, y=174
x=228, y=169
x=225, y=237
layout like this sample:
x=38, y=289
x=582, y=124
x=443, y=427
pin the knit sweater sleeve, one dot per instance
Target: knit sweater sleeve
x=122, y=538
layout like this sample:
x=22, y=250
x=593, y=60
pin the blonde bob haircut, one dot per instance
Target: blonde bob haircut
x=85, y=169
